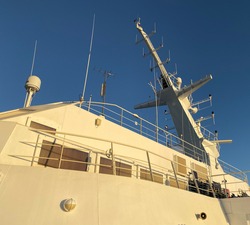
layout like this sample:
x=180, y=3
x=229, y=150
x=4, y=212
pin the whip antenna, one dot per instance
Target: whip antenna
x=87, y=69
x=33, y=60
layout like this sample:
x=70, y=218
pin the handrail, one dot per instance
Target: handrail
x=231, y=170
x=160, y=135
x=226, y=167
x=146, y=129
x=152, y=167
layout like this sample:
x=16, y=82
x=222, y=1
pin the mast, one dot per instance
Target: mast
x=154, y=53
x=194, y=142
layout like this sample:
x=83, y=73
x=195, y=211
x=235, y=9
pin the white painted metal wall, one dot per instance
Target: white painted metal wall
x=33, y=195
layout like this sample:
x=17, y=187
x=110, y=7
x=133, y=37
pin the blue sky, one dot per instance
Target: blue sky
x=204, y=37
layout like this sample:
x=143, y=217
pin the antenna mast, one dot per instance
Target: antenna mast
x=33, y=83
x=87, y=69
x=33, y=60
x=106, y=75
x=153, y=52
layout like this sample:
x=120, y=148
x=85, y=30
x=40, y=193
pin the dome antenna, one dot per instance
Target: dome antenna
x=33, y=82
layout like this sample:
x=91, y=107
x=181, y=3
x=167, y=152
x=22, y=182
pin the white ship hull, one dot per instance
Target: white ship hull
x=34, y=195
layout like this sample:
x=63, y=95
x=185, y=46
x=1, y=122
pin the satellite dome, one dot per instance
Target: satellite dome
x=32, y=86
x=33, y=83
x=178, y=82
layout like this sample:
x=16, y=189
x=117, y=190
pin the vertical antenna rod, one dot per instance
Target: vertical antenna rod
x=87, y=69
x=33, y=60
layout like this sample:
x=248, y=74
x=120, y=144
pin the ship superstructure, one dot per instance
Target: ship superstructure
x=69, y=163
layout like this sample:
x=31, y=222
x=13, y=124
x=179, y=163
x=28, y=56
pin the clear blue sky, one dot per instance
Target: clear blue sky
x=204, y=37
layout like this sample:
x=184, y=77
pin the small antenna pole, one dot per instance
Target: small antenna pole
x=87, y=69
x=33, y=60
x=106, y=75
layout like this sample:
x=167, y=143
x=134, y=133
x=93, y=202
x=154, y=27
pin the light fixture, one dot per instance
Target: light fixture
x=69, y=204
x=98, y=122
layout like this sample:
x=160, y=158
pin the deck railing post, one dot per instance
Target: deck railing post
x=149, y=166
x=225, y=183
x=121, y=117
x=175, y=175
x=140, y=125
x=89, y=102
x=61, y=155
x=96, y=160
x=156, y=134
x=34, y=154
x=137, y=171
x=113, y=159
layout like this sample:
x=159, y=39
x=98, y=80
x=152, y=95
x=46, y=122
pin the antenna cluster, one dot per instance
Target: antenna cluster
x=153, y=51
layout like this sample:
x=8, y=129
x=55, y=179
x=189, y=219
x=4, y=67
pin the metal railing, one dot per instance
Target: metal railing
x=231, y=170
x=154, y=171
x=137, y=124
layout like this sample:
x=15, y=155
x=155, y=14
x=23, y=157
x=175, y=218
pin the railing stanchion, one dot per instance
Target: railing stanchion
x=60, y=160
x=121, y=116
x=65, y=141
x=34, y=154
x=140, y=125
x=149, y=166
x=96, y=160
x=137, y=171
x=175, y=175
x=113, y=159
